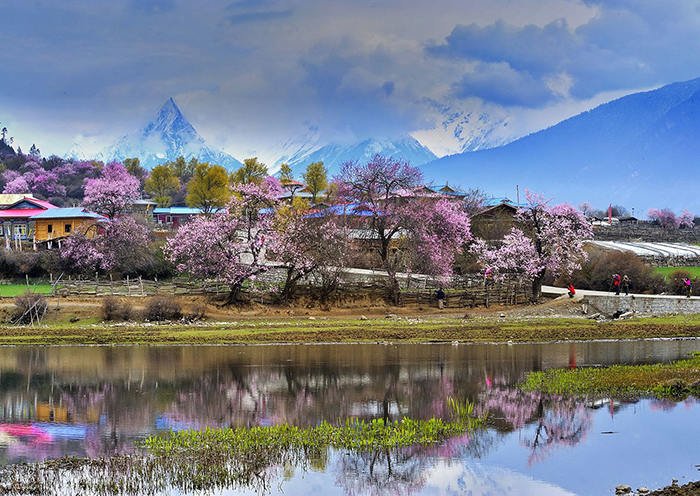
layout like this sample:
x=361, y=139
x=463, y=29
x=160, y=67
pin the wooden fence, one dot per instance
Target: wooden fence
x=462, y=291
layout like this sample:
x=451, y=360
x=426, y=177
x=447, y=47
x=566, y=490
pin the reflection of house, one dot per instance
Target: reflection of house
x=17, y=223
x=58, y=223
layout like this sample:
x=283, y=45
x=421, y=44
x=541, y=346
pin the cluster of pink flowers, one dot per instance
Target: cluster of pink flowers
x=553, y=245
x=112, y=192
x=667, y=219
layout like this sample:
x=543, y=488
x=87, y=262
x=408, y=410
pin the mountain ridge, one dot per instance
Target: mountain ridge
x=615, y=153
x=165, y=138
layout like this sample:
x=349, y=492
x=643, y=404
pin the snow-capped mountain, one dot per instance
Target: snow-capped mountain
x=458, y=130
x=167, y=137
x=333, y=155
x=296, y=150
x=640, y=151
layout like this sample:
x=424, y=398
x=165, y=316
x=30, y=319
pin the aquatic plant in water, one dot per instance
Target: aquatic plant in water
x=227, y=457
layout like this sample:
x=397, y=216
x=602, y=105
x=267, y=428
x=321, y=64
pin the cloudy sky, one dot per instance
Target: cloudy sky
x=250, y=74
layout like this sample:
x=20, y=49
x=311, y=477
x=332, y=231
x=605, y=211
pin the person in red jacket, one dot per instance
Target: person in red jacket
x=616, y=279
x=572, y=290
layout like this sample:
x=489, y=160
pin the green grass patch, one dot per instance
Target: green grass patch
x=694, y=271
x=344, y=330
x=675, y=380
x=12, y=290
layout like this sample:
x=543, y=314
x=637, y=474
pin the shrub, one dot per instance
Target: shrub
x=115, y=309
x=198, y=311
x=596, y=272
x=675, y=282
x=161, y=308
x=29, y=307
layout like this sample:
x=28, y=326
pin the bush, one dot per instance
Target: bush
x=29, y=307
x=161, y=308
x=675, y=282
x=596, y=272
x=115, y=309
x=198, y=311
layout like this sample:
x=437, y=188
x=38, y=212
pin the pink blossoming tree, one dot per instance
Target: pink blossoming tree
x=549, y=241
x=686, y=220
x=306, y=244
x=228, y=245
x=410, y=232
x=112, y=192
x=122, y=246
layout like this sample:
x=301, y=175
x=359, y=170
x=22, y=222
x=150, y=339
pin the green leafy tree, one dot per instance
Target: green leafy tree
x=252, y=172
x=208, y=188
x=316, y=179
x=162, y=184
x=286, y=173
x=133, y=167
x=183, y=169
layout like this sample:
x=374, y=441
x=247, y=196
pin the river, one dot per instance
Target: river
x=98, y=401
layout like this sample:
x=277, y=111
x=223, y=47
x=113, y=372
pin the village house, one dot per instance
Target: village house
x=495, y=219
x=56, y=223
x=174, y=217
x=16, y=217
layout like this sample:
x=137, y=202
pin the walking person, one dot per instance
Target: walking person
x=440, y=296
x=687, y=286
x=626, y=284
x=616, y=280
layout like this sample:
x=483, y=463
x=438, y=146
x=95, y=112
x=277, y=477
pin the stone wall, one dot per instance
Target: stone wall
x=643, y=304
x=646, y=231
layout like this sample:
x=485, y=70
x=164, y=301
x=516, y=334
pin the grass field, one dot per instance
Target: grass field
x=347, y=330
x=667, y=271
x=11, y=290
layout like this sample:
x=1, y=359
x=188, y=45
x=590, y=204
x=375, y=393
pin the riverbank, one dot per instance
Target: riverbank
x=675, y=380
x=412, y=328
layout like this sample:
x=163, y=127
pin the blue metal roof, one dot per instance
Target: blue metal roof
x=353, y=209
x=178, y=211
x=68, y=213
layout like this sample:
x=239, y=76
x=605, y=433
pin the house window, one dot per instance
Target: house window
x=67, y=228
x=49, y=228
x=20, y=231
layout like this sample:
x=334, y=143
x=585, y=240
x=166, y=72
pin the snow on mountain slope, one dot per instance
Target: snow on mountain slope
x=640, y=151
x=458, y=130
x=167, y=137
x=334, y=154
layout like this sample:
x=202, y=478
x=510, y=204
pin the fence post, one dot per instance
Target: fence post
x=141, y=283
x=128, y=286
x=111, y=287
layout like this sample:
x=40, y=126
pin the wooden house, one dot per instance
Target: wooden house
x=16, y=218
x=495, y=219
x=57, y=223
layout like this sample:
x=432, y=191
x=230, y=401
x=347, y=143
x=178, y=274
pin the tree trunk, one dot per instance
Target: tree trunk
x=394, y=290
x=234, y=294
x=536, y=288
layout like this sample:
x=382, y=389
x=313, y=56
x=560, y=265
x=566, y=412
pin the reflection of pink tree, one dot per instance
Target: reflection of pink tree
x=381, y=473
x=558, y=420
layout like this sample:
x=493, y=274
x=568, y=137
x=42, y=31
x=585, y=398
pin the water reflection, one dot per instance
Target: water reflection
x=96, y=401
